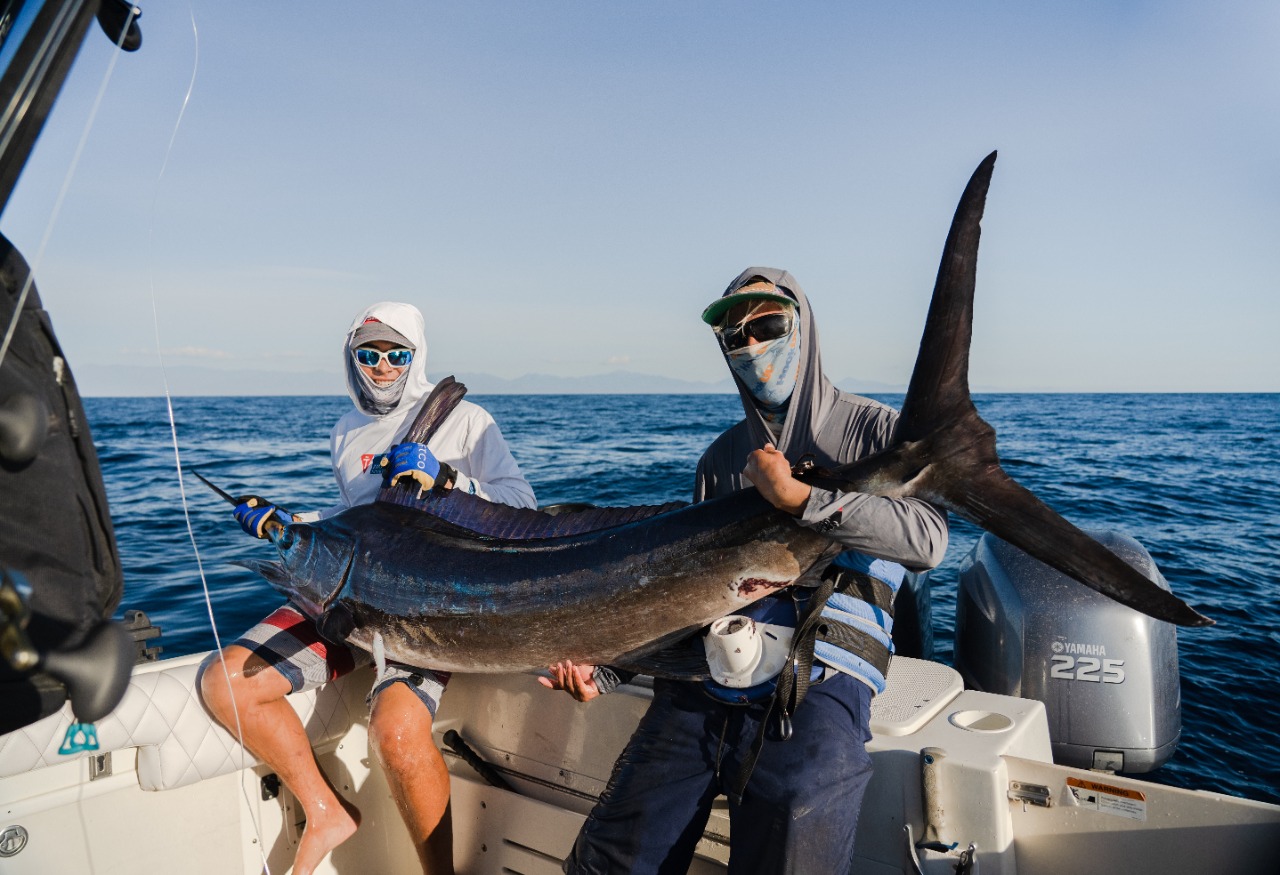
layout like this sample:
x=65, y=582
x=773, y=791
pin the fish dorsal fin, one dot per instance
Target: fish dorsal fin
x=435, y=410
x=442, y=401
x=473, y=514
x=461, y=510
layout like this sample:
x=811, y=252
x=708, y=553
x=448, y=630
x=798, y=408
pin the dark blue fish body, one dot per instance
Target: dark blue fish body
x=443, y=596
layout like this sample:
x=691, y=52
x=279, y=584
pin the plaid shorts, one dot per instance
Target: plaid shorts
x=290, y=643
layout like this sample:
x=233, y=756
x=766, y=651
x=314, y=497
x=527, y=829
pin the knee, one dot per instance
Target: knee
x=223, y=685
x=400, y=730
x=213, y=684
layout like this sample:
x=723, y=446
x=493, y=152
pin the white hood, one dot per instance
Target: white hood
x=406, y=319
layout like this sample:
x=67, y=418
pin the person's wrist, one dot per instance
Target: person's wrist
x=796, y=498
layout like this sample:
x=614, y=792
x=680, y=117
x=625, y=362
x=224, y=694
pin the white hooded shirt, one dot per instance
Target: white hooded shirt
x=468, y=440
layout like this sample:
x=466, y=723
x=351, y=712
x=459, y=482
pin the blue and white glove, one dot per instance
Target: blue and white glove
x=410, y=462
x=416, y=463
x=253, y=514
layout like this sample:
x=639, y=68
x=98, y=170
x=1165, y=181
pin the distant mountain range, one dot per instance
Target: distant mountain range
x=132, y=381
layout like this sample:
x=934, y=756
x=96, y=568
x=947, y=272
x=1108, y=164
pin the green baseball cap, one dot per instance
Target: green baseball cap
x=716, y=309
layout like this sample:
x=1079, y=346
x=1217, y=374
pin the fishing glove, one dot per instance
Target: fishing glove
x=416, y=463
x=254, y=513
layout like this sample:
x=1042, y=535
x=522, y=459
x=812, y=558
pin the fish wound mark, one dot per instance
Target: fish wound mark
x=750, y=585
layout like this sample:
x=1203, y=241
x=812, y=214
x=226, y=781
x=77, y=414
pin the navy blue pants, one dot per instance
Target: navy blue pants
x=798, y=814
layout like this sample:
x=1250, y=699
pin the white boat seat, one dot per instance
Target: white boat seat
x=178, y=743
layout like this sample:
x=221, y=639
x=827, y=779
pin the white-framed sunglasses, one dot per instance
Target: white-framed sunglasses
x=370, y=357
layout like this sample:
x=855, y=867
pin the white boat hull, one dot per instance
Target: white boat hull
x=169, y=791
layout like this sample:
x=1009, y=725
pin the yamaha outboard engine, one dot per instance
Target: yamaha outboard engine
x=1108, y=675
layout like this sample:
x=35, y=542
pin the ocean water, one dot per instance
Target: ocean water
x=1195, y=478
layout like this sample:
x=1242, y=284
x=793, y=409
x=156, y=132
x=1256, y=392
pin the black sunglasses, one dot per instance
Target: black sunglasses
x=770, y=326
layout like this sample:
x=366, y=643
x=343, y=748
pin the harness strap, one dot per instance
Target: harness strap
x=855, y=641
x=862, y=586
x=792, y=685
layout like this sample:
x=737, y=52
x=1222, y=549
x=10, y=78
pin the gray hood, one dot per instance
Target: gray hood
x=814, y=396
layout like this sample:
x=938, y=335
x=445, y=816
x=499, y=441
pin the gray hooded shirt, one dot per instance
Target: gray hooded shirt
x=832, y=427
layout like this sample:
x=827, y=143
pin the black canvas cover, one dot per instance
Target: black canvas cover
x=55, y=528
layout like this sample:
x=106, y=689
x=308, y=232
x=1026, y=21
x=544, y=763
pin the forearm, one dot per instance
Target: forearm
x=906, y=530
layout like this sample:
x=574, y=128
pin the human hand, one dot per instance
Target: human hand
x=770, y=472
x=416, y=463
x=576, y=680
x=256, y=515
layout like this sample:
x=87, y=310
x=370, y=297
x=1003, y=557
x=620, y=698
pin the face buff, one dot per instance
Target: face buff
x=769, y=370
x=377, y=400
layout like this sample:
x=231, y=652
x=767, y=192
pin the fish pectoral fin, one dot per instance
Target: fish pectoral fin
x=336, y=623
x=999, y=504
x=274, y=572
x=685, y=660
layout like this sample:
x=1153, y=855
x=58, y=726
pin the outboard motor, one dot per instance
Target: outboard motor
x=1107, y=675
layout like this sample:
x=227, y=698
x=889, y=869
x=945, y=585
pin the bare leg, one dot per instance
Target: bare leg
x=272, y=731
x=400, y=730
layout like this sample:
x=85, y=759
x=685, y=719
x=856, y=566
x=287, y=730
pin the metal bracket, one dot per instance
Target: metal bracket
x=1035, y=794
x=139, y=625
x=100, y=766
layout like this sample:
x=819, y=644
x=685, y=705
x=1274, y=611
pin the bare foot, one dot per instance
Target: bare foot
x=325, y=830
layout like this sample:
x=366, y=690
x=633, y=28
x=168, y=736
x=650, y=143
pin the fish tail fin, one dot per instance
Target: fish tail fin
x=1014, y=514
x=944, y=452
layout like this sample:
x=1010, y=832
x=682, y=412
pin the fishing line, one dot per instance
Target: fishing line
x=34, y=268
x=62, y=196
x=177, y=454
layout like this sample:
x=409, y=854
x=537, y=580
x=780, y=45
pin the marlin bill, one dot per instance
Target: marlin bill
x=458, y=583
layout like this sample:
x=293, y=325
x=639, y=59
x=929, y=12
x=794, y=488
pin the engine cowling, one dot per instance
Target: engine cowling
x=1107, y=675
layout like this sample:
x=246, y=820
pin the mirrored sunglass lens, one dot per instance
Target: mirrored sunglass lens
x=397, y=358
x=769, y=327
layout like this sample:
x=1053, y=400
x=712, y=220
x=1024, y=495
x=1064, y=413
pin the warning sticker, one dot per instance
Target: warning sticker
x=1108, y=798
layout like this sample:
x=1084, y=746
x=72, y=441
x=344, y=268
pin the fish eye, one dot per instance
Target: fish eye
x=285, y=538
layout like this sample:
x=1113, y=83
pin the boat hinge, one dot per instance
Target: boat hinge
x=1036, y=794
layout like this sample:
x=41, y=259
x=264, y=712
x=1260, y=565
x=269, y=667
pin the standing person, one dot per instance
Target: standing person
x=385, y=353
x=793, y=804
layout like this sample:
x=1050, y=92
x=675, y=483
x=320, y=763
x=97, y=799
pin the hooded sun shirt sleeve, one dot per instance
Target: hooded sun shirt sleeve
x=486, y=467
x=906, y=530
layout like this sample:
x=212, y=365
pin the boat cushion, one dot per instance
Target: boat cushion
x=178, y=743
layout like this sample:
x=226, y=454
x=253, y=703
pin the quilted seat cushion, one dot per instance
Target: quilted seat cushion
x=178, y=743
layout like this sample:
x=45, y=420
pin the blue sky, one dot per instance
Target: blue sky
x=561, y=187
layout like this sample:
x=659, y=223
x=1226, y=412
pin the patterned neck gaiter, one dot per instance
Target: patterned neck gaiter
x=769, y=370
x=377, y=400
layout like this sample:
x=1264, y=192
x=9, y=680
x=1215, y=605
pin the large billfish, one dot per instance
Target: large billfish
x=457, y=583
